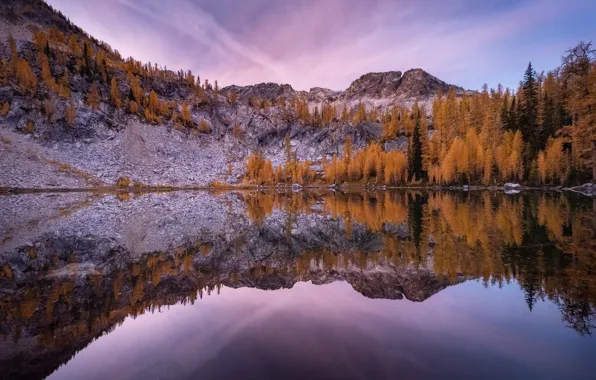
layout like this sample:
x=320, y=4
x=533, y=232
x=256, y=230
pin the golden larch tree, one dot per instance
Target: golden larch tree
x=27, y=80
x=115, y=93
x=64, y=88
x=185, y=113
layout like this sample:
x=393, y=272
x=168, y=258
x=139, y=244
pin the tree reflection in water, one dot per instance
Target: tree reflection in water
x=67, y=297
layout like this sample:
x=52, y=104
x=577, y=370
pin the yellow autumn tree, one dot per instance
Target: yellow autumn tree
x=542, y=168
x=135, y=88
x=74, y=47
x=503, y=155
x=40, y=39
x=516, y=157
x=133, y=107
x=553, y=163
x=204, y=126
x=395, y=168
x=360, y=116
x=64, y=85
x=27, y=80
x=153, y=102
x=4, y=109
x=115, y=93
x=185, y=113
x=258, y=169
x=46, y=73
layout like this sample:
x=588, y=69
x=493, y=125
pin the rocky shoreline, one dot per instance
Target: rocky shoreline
x=587, y=189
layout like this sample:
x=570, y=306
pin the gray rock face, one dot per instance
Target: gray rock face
x=320, y=95
x=393, y=87
x=401, y=144
x=375, y=85
x=265, y=91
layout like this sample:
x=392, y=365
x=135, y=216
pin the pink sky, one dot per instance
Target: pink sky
x=332, y=330
x=309, y=43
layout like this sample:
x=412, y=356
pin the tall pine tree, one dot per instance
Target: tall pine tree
x=415, y=153
x=528, y=117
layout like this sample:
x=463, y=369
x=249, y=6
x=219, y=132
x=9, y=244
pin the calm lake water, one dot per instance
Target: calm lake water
x=308, y=285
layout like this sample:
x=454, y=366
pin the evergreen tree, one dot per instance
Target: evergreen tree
x=548, y=127
x=505, y=122
x=86, y=68
x=529, y=110
x=416, y=204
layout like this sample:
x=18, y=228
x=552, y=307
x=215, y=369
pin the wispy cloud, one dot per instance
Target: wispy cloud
x=329, y=43
x=189, y=19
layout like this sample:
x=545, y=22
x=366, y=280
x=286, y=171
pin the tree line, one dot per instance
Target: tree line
x=543, y=133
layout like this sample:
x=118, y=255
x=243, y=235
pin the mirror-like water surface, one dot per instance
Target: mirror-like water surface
x=317, y=285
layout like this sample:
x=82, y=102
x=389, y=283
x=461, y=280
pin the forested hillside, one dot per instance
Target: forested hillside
x=543, y=133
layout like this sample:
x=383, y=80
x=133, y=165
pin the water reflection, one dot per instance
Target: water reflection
x=80, y=274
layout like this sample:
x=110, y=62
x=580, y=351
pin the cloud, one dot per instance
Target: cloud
x=189, y=19
x=329, y=43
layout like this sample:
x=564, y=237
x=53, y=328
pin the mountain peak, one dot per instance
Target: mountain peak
x=374, y=85
x=382, y=88
x=414, y=84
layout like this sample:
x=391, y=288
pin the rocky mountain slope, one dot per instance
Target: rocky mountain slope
x=43, y=144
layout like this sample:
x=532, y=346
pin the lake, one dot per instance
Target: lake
x=298, y=285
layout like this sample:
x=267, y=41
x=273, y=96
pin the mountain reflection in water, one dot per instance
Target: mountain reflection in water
x=173, y=285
